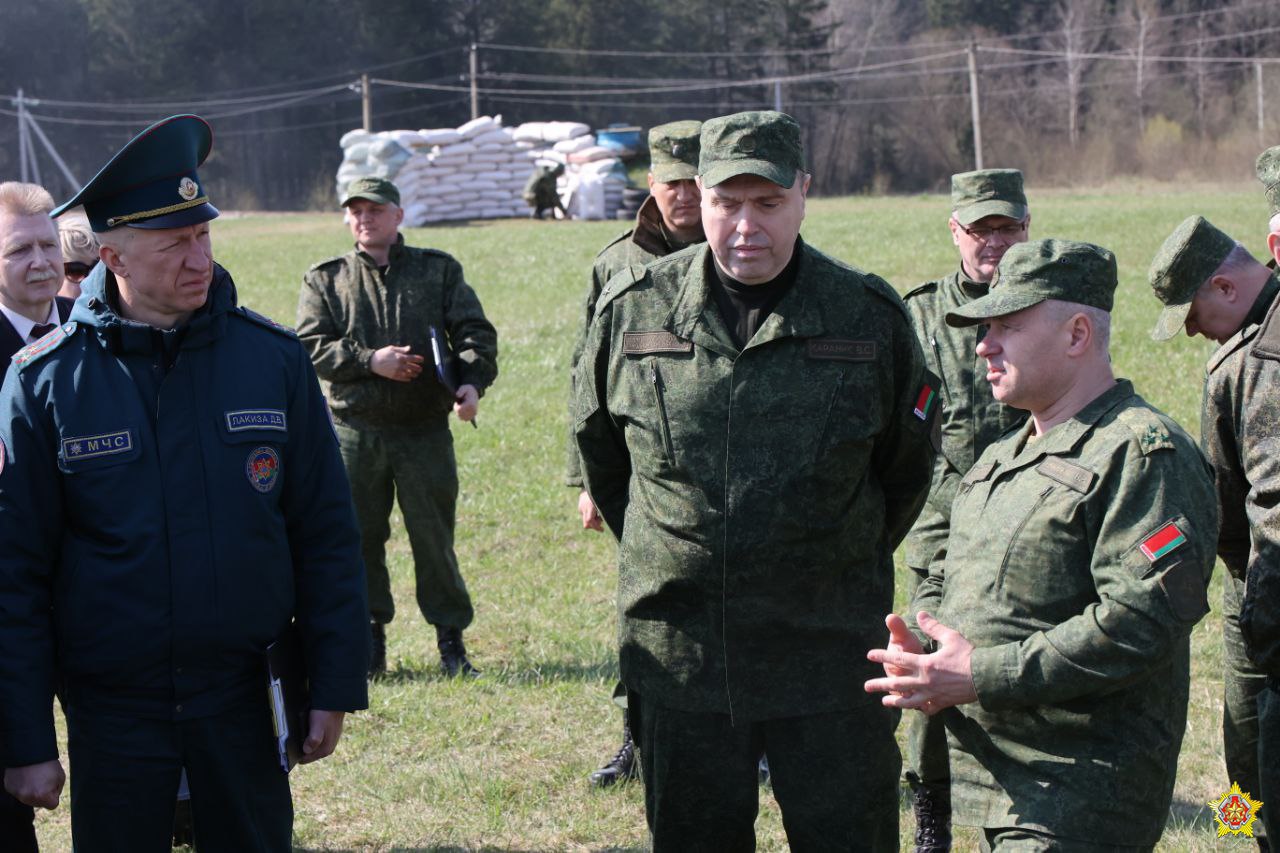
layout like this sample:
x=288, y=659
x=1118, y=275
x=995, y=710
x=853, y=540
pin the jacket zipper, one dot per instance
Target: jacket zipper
x=658, y=388
x=1004, y=563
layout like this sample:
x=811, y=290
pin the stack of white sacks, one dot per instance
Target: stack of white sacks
x=479, y=170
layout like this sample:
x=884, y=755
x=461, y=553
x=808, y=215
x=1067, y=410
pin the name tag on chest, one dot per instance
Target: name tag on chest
x=641, y=343
x=838, y=349
x=246, y=419
x=76, y=448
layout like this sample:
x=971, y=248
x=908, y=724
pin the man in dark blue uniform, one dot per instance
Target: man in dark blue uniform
x=171, y=499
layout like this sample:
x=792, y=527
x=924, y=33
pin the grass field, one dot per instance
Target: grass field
x=500, y=763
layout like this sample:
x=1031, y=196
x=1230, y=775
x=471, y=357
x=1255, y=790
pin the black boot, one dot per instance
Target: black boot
x=184, y=834
x=453, y=654
x=932, y=806
x=378, y=658
x=622, y=767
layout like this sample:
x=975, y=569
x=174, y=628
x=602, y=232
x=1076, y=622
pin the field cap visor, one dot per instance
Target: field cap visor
x=1030, y=273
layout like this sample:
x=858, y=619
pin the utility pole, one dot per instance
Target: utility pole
x=24, y=170
x=475, y=83
x=366, y=102
x=1262, y=130
x=973, y=104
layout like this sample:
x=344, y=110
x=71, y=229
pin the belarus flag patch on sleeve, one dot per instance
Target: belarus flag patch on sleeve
x=924, y=401
x=1162, y=541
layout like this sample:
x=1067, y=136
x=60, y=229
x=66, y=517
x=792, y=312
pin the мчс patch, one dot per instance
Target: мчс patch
x=92, y=446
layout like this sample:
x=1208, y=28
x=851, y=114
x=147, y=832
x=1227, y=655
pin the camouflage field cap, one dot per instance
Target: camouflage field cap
x=1030, y=273
x=673, y=151
x=1184, y=262
x=764, y=143
x=1268, y=168
x=988, y=192
x=376, y=190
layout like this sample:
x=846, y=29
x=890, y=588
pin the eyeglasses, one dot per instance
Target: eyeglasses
x=77, y=270
x=1008, y=232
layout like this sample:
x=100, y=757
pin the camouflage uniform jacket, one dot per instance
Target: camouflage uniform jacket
x=1230, y=393
x=645, y=242
x=971, y=418
x=348, y=309
x=1077, y=566
x=1250, y=391
x=540, y=189
x=757, y=494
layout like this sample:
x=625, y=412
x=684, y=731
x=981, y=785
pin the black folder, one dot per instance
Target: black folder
x=288, y=695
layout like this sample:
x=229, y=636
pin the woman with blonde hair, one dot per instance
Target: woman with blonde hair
x=79, y=251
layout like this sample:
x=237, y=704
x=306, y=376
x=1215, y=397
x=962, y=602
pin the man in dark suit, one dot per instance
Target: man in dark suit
x=30, y=269
x=30, y=275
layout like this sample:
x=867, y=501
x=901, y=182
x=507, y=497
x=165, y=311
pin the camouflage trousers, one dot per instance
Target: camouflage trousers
x=1269, y=757
x=926, y=739
x=1242, y=684
x=835, y=777
x=418, y=468
x=1013, y=840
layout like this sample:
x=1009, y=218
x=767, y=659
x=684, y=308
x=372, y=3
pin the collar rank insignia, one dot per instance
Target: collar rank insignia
x=1162, y=541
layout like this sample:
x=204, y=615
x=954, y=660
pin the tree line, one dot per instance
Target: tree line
x=1069, y=89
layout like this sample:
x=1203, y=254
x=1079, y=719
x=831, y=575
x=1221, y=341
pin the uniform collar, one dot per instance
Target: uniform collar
x=650, y=233
x=970, y=287
x=1066, y=436
x=394, y=252
x=1258, y=311
x=695, y=317
x=96, y=308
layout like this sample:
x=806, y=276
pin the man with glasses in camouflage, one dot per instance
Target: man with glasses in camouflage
x=988, y=215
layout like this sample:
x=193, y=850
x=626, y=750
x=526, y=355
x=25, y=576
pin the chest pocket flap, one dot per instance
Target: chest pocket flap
x=1069, y=474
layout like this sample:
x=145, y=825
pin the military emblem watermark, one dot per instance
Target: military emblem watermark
x=262, y=468
x=1234, y=812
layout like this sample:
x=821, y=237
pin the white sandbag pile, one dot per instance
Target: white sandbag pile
x=594, y=177
x=478, y=170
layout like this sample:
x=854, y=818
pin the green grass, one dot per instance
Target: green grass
x=501, y=763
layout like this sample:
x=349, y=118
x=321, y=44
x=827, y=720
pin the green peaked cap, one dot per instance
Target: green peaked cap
x=1186, y=260
x=1029, y=273
x=673, y=151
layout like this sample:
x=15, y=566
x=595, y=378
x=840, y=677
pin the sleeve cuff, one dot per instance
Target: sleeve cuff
x=995, y=676
x=23, y=747
x=340, y=694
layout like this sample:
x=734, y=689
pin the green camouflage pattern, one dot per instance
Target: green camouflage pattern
x=987, y=192
x=1031, y=272
x=971, y=418
x=646, y=241
x=1081, y=658
x=1224, y=410
x=1268, y=171
x=540, y=189
x=1258, y=449
x=348, y=308
x=758, y=495
x=763, y=142
x=376, y=190
x=673, y=151
x=1184, y=262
